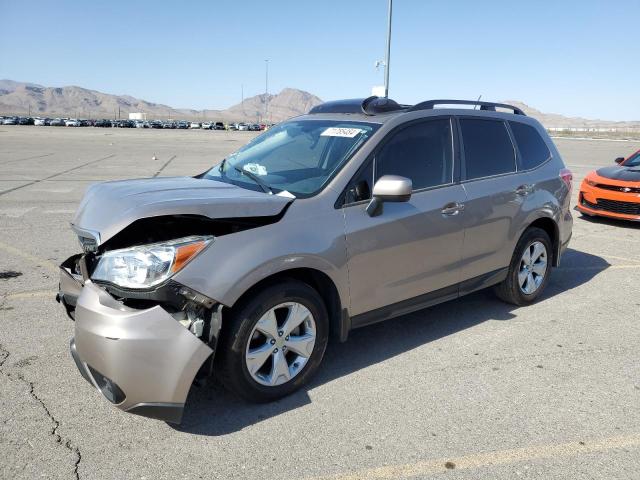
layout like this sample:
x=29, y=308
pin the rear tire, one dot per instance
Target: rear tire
x=529, y=269
x=260, y=359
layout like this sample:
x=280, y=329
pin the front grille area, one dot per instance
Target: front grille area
x=626, y=208
x=618, y=188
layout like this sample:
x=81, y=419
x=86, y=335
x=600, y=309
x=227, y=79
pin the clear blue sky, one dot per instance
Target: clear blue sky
x=571, y=57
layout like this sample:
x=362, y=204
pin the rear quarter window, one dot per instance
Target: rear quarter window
x=488, y=149
x=533, y=149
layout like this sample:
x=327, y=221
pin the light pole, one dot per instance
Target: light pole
x=388, y=56
x=266, y=90
x=242, y=97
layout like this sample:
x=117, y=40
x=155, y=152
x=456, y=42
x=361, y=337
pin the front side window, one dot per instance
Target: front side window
x=421, y=152
x=299, y=156
x=488, y=149
x=533, y=150
x=361, y=185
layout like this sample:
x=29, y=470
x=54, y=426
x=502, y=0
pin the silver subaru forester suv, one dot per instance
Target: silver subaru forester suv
x=360, y=211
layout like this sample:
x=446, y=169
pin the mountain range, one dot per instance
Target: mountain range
x=22, y=98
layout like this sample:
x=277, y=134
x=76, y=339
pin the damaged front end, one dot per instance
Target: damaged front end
x=140, y=349
x=141, y=337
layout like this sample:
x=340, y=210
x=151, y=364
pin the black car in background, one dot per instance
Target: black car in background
x=104, y=123
x=218, y=126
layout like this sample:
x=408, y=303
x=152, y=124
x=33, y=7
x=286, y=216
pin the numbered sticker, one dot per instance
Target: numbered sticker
x=341, y=132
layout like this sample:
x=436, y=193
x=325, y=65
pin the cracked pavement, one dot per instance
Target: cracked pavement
x=469, y=389
x=30, y=431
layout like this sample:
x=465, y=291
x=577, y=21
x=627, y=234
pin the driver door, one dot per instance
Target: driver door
x=410, y=253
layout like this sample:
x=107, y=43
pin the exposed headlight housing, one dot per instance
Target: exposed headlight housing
x=145, y=266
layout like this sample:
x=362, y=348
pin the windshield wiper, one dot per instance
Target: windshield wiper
x=265, y=188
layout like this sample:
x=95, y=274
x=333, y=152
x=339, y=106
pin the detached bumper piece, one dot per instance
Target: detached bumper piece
x=70, y=286
x=142, y=361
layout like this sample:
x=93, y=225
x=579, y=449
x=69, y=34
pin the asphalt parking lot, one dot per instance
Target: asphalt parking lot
x=469, y=389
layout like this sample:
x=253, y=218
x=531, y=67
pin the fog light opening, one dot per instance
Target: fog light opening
x=107, y=387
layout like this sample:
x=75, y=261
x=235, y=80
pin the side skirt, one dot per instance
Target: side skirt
x=429, y=299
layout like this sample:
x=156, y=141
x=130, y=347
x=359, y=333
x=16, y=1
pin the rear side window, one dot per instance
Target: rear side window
x=533, y=150
x=488, y=149
x=421, y=152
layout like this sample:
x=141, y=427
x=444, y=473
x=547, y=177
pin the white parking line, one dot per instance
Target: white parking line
x=15, y=212
x=53, y=190
x=60, y=210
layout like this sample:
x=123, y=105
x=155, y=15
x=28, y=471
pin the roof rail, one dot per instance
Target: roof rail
x=490, y=106
x=368, y=106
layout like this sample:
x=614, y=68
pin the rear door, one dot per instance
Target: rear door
x=496, y=192
x=412, y=248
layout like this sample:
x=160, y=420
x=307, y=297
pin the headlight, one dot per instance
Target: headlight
x=591, y=182
x=147, y=265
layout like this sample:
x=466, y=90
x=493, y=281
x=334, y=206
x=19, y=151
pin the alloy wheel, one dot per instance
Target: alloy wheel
x=533, y=268
x=280, y=344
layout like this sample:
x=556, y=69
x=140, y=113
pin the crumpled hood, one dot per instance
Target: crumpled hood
x=109, y=207
x=620, y=172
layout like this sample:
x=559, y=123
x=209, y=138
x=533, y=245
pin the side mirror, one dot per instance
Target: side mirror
x=619, y=160
x=389, y=188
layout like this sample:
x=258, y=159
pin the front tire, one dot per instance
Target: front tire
x=274, y=342
x=529, y=269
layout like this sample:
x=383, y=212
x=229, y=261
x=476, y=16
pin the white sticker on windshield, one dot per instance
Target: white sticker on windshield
x=255, y=168
x=341, y=132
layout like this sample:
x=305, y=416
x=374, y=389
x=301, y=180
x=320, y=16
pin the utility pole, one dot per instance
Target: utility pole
x=266, y=90
x=388, y=56
x=242, y=97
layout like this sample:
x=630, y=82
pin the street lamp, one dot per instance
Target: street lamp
x=388, y=57
x=385, y=63
x=266, y=90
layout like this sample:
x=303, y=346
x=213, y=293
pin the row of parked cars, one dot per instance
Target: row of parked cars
x=105, y=123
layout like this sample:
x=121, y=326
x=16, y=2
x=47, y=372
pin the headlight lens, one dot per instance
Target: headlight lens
x=148, y=265
x=591, y=182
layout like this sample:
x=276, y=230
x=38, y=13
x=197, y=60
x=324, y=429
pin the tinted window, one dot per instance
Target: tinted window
x=487, y=148
x=533, y=150
x=421, y=152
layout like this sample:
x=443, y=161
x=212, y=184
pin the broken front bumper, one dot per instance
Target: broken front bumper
x=142, y=361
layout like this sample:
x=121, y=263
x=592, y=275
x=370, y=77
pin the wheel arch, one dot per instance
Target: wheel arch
x=321, y=282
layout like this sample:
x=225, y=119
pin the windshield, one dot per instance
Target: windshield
x=633, y=160
x=297, y=156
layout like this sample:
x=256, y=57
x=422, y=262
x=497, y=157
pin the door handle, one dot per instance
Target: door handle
x=453, y=208
x=524, y=190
